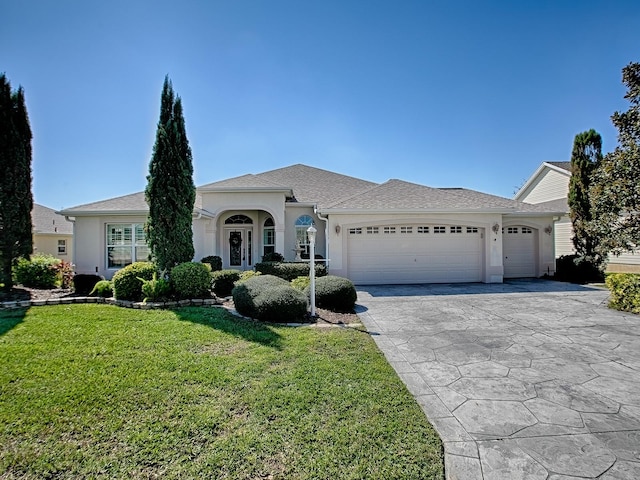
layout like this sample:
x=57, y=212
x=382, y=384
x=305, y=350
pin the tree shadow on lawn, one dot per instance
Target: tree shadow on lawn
x=10, y=318
x=219, y=319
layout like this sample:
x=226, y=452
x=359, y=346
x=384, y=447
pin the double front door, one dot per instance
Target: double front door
x=239, y=248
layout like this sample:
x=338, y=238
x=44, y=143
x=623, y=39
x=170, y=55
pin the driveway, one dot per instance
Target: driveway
x=528, y=379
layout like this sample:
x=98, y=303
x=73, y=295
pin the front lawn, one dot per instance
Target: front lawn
x=95, y=391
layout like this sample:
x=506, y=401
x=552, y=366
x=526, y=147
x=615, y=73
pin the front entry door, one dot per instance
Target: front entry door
x=239, y=251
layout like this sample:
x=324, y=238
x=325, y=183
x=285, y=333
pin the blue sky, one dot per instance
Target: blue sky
x=444, y=93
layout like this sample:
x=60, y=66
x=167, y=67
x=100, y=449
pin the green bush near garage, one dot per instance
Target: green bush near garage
x=289, y=270
x=334, y=293
x=625, y=291
x=269, y=298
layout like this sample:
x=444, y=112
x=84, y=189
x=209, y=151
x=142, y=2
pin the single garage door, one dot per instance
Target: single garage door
x=519, y=251
x=415, y=254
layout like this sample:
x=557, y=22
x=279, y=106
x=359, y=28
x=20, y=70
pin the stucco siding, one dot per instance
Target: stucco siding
x=550, y=185
x=48, y=244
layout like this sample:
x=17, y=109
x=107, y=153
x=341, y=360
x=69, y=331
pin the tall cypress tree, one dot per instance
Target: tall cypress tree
x=170, y=190
x=585, y=157
x=16, y=199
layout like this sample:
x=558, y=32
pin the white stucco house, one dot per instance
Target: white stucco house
x=548, y=187
x=52, y=233
x=394, y=232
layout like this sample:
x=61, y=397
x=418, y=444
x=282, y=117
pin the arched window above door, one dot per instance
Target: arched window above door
x=238, y=220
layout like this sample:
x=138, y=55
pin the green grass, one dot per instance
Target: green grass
x=94, y=391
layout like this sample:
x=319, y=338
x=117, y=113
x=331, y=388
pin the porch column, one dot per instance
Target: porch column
x=279, y=229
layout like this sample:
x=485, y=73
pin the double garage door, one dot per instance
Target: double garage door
x=415, y=254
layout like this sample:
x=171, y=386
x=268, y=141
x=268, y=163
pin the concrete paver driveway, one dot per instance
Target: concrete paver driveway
x=523, y=380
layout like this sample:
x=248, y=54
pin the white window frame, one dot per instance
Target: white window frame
x=135, y=243
x=303, y=222
x=62, y=246
x=268, y=236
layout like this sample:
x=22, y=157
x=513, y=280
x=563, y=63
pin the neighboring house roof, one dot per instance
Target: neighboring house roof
x=399, y=195
x=559, y=205
x=562, y=167
x=307, y=184
x=47, y=221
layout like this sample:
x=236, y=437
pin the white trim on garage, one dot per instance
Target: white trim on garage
x=415, y=253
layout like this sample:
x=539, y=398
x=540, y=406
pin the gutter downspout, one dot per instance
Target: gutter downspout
x=73, y=257
x=326, y=235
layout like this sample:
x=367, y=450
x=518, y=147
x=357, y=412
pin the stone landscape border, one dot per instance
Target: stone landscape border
x=196, y=302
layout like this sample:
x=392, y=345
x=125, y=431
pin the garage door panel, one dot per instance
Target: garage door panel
x=415, y=258
x=519, y=249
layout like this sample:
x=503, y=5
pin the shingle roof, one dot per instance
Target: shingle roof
x=563, y=165
x=133, y=203
x=309, y=184
x=46, y=220
x=401, y=195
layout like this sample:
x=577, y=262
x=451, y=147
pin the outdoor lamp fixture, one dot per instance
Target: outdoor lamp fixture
x=548, y=230
x=337, y=229
x=311, y=234
x=495, y=228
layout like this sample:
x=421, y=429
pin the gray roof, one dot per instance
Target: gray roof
x=308, y=184
x=563, y=165
x=401, y=195
x=559, y=205
x=47, y=221
x=134, y=204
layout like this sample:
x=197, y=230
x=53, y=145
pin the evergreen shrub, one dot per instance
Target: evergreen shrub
x=224, y=280
x=289, y=270
x=103, y=288
x=245, y=293
x=625, y=291
x=83, y=283
x=127, y=282
x=41, y=271
x=334, y=293
x=213, y=260
x=191, y=280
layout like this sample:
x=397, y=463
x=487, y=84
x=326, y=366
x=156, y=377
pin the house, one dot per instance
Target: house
x=394, y=232
x=52, y=233
x=549, y=187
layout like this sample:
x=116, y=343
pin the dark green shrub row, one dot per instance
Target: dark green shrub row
x=572, y=268
x=289, y=271
x=224, y=280
x=43, y=271
x=215, y=262
x=625, y=291
x=269, y=298
x=335, y=293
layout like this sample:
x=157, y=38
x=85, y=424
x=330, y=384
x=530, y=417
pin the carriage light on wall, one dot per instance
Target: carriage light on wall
x=337, y=229
x=495, y=228
x=548, y=229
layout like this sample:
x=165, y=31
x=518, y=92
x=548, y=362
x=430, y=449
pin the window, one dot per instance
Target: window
x=512, y=229
x=389, y=230
x=355, y=231
x=456, y=229
x=238, y=220
x=302, y=224
x=472, y=229
x=269, y=237
x=126, y=244
x=406, y=229
x=373, y=230
x=439, y=229
x=423, y=229
x=526, y=230
x=62, y=247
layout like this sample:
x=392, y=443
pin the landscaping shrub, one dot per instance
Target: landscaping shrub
x=83, y=283
x=574, y=269
x=213, y=260
x=335, y=293
x=245, y=293
x=625, y=291
x=273, y=257
x=155, y=289
x=191, y=280
x=103, y=288
x=126, y=282
x=223, y=281
x=300, y=283
x=246, y=275
x=289, y=270
x=41, y=271
x=281, y=304
x=65, y=274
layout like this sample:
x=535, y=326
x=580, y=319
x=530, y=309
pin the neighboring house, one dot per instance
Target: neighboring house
x=549, y=187
x=394, y=232
x=52, y=233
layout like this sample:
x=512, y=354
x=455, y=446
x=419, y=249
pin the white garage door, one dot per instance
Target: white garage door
x=519, y=251
x=415, y=254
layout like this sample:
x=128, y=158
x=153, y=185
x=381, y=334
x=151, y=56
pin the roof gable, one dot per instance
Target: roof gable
x=46, y=220
x=563, y=168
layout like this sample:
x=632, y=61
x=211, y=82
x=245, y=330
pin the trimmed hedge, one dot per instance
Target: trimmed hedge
x=269, y=298
x=83, y=283
x=126, y=281
x=334, y=293
x=191, y=280
x=224, y=280
x=289, y=270
x=41, y=271
x=625, y=291
x=214, y=261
